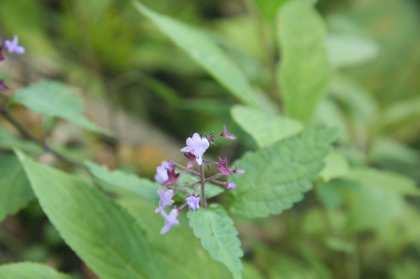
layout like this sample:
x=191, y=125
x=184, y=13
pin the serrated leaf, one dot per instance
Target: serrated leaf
x=124, y=181
x=335, y=166
x=277, y=176
x=180, y=238
x=265, y=128
x=218, y=236
x=304, y=71
x=27, y=270
x=55, y=99
x=15, y=191
x=206, y=53
x=101, y=233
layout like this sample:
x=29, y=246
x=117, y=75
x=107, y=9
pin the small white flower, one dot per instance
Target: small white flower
x=196, y=145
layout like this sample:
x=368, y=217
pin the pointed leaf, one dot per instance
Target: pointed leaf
x=277, y=176
x=218, y=235
x=206, y=53
x=118, y=180
x=15, y=191
x=304, y=69
x=29, y=271
x=101, y=233
x=56, y=100
x=265, y=128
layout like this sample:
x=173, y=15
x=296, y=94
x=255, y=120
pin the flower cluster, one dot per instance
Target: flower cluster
x=11, y=47
x=167, y=176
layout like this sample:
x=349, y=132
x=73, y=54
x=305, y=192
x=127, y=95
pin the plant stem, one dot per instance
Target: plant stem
x=203, y=192
x=44, y=145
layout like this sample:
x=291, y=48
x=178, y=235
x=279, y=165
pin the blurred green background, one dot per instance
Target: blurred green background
x=121, y=62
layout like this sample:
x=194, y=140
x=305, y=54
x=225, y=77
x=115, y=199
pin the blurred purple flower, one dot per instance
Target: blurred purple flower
x=173, y=178
x=230, y=186
x=222, y=166
x=193, y=202
x=13, y=47
x=165, y=199
x=3, y=86
x=170, y=220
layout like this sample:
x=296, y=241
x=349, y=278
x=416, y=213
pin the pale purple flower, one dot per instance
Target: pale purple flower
x=170, y=220
x=222, y=166
x=12, y=46
x=193, y=202
x=165, y=199
x=162, y=172
x=230, y=186
x=225, y=134
x=3, y=86
x=196, y=145
x=239, y=171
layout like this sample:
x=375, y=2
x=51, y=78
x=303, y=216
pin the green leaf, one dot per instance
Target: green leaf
x=55, y=99
x=377, y=198
x=304, y=71
x=101, y=233
x=218, y=236
x=27, y=270
x=335, y=166
x=15, y=191
x=265, y=128
x=179, y=238
x=119, y=181
x=278, y=175
x=206, y=53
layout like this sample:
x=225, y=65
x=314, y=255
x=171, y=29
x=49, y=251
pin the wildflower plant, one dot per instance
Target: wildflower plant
x=196, y=146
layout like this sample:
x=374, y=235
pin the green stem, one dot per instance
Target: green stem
x=203, y=191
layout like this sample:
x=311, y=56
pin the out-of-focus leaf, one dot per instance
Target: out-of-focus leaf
x=348, y=50
x=101, y=233
x=15, y=191
x=406, y=270
x=329, y=115
x=377, y=198
x=56, y=100
x=218, y=235
x=330, y=193
x=304, y=71
x=269, y=9
x=206, y=53
x=289, y=268
x=11, y=141
x=335, y=166
x=180, y=238
x=265, y=128
x=124, y=181
x=27, y=270
x=278, y=175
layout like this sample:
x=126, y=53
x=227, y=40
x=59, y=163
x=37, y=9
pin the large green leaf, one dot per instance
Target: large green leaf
x=119, y=181
x=278, y=175
x=179, y=241
x=265, y=128
x=28, y=270
x=206, y=53
x=55, y=99
x=102, y=234
x=15, y=191
x=304, y=70
x=218, y=235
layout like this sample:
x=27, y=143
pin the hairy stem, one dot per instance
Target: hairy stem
x=203, y=192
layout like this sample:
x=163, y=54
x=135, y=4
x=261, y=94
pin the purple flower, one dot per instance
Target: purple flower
x=222, y=166
x=239, y=171
x=230, y=186
x=191, y=160
x=196, y=145
x=3, y=86
x=193, y=202
x=225, y=134
x=170, y=220
x=162, y=171
x=173, y=178
x=165, y=199
x=12, y=46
